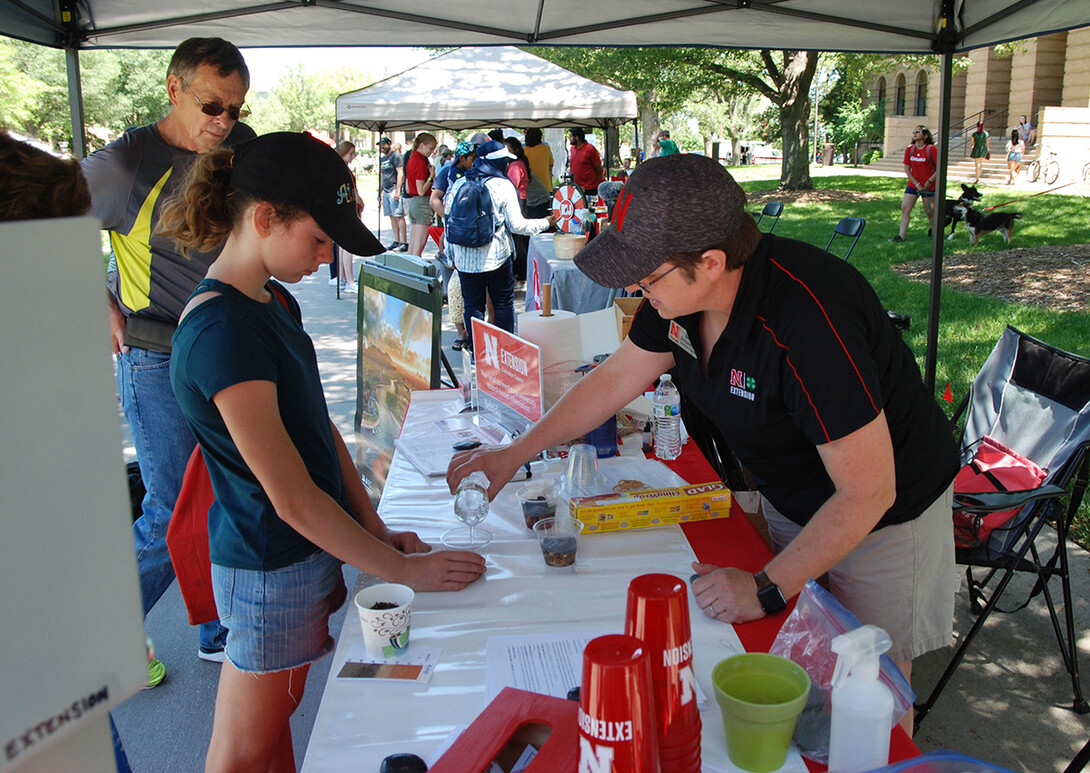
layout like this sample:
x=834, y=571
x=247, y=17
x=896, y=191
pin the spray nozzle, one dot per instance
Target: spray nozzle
x=858, y=652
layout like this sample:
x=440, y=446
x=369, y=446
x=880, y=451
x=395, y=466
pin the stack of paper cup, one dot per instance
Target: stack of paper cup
x=658, y=615
x=616, y=712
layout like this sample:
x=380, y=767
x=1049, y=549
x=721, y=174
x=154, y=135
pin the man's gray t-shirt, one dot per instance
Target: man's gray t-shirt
x=388, y=167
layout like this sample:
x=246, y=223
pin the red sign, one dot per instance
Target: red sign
x=509, y=370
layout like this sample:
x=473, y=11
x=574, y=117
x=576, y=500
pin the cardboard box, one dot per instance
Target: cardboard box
x=652, y=507
x=625, y=309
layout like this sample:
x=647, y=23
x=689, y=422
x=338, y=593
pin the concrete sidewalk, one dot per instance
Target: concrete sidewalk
x=1009, y=703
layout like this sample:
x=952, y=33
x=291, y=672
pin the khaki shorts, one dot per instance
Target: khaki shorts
x=901, y=578
x=420, y=211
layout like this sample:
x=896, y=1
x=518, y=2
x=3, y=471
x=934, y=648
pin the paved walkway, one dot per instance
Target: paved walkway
x=1009, y=704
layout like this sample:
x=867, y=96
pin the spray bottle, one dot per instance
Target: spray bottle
x=862, y=704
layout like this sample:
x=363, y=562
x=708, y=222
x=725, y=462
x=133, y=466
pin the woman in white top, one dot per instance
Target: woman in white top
x=1015, y=149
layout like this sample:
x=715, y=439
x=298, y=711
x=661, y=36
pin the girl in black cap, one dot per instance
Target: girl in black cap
x=286, y=488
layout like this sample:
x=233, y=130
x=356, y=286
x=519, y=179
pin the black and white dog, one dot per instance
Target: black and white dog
x=977, y=223
x=969, y=196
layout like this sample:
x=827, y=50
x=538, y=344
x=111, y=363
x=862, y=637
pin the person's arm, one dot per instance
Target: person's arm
x=598, y=395
x=400, y=183
x=117, y=324
x=512, y=211
x=436, y=202
x=861, y=467
x=250, y=412
x=598, y=169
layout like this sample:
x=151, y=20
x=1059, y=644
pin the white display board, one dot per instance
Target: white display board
x=71, y=622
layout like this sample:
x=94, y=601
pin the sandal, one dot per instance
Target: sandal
x=459, y=344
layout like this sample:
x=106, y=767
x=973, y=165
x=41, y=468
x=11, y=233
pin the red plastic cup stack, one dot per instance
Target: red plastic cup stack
x=658, y=615
x=616, y=713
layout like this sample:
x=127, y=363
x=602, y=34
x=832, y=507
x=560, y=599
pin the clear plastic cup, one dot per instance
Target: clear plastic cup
x=559, y=540
x=538, y=500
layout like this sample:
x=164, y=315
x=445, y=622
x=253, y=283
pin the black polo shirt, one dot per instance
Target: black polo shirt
x=807, y=357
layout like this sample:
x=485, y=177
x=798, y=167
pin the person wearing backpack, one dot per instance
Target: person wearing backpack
x=484, y=208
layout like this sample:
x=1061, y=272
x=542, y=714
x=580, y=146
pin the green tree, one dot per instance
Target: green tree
x=302, y=100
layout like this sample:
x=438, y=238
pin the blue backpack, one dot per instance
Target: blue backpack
x=470, y=220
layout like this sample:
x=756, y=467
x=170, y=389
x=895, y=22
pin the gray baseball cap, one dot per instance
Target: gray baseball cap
x=669, y=204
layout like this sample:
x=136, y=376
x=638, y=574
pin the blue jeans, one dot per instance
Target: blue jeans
x=163, y=444
x=499, y=284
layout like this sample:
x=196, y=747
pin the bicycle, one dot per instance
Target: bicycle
x=1086, y=173
x=1051, y=168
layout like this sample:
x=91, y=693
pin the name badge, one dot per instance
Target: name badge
x=680, y=337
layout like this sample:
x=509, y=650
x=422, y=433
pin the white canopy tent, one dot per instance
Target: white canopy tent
x=944, y=27
x=475, y=87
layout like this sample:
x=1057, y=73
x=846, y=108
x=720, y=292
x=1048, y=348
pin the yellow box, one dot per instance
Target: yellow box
x=626, y=310
x=652, y=507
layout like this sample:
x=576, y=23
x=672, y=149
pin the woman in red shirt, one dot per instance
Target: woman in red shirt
x=419, y=175
x=921, y=168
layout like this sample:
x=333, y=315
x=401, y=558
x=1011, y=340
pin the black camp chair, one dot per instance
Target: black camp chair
x=852, y=228
x=1034, y=399
x=772, y=209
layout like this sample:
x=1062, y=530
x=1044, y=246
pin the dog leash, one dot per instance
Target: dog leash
x=1023, y=198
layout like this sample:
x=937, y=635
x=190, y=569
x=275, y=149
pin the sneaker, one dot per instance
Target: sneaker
x=333, y=282
x=402, y=247
x=350, y=289
x=156, y=672
x=212, y=656
x=393, y=246
x=896, y=239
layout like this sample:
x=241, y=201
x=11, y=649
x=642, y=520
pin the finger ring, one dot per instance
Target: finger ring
x=712, y=608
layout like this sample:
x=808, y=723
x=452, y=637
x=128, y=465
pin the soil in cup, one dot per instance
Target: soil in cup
x=762, y=688
x=533, y=510
x=559, y=551
x=384, y=605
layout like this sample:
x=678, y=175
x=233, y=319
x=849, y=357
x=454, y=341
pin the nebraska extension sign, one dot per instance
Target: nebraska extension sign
x=509, y=379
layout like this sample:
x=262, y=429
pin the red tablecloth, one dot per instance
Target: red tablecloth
x=735, y=542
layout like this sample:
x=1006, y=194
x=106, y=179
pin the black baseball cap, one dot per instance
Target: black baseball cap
x=670, y=204
x=297, y=169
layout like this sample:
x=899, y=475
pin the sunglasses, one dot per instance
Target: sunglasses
x=645, y=286
x=215, y=109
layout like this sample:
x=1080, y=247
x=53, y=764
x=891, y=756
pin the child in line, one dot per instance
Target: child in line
x=290, y=507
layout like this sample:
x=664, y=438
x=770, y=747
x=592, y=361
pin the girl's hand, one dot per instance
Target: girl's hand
x=405, y=541
x=442, y=570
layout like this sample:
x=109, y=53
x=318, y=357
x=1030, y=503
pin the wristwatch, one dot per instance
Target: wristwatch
x=769, y=594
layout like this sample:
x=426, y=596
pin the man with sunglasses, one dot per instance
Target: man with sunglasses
x=787, y=353
x=149, y=281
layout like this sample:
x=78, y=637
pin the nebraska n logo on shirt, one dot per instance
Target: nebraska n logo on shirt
x=742, y=385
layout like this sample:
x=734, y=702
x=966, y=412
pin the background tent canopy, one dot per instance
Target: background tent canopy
x=485, y=86
x=826, y=25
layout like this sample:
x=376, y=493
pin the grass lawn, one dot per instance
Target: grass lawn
x=969, y=325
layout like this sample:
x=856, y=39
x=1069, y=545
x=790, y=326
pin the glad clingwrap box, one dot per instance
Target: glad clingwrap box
x=652, y=507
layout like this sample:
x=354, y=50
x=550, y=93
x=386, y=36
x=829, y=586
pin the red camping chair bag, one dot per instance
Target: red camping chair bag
x=994, y=468
x=187, y=541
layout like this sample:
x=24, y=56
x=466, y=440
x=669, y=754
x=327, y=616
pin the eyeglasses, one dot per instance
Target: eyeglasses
x=215, y=109
x=645, y=286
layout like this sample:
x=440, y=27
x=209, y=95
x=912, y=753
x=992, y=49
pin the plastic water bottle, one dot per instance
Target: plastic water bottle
x=667, y=408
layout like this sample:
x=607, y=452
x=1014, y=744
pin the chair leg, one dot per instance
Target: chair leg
x=1080, y=760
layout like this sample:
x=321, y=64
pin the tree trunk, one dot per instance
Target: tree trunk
x=798, y=72
x=650, y=122
x=613, y=142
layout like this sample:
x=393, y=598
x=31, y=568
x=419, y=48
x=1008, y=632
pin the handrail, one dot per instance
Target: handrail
x=958, y=141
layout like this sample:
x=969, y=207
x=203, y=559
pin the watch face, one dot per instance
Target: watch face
x=771, y=598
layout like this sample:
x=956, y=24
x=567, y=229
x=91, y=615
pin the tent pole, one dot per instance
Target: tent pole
x=75, y=103
x=946, y=40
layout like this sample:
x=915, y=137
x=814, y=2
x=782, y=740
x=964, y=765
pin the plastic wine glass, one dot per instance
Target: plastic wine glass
x=470, y=507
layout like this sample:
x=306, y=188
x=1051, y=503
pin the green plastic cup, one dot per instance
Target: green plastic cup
x=760, y=696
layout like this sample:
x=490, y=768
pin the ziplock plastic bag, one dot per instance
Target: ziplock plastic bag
x=807, y=639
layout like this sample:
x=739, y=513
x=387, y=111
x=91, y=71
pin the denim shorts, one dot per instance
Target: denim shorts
x=923, y=194
x=391, y=206
x=279, y=619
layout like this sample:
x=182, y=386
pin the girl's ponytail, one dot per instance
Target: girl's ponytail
x=204, y=211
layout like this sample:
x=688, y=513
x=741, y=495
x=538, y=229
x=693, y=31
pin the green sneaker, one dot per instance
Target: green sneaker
x=156, y=673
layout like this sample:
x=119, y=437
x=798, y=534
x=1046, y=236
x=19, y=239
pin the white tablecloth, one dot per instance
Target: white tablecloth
x=358, y=724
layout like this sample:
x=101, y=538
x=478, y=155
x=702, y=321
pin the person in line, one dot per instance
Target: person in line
x=540, y=156
x=1026, y=131
x=584, y=162
x=518, y=172
x=340, y=270
x=486, y=271
x=129, y=180
x=787, y=352
x=392, y=175
x=290, y=506
x=666, y=145
x=464, y=156
x=419, y=175
x=980, y=151
x=1015, y=148
x=921, y=168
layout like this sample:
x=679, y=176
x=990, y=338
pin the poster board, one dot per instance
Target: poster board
x=510, y=385
x=398, y=320
x=72, y=640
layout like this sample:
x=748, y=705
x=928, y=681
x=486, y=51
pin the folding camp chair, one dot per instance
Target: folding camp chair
x=772, y=209
x=608, y=193
x=851, y=227
x=1034, y=399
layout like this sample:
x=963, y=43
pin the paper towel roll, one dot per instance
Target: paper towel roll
x=561, y=349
